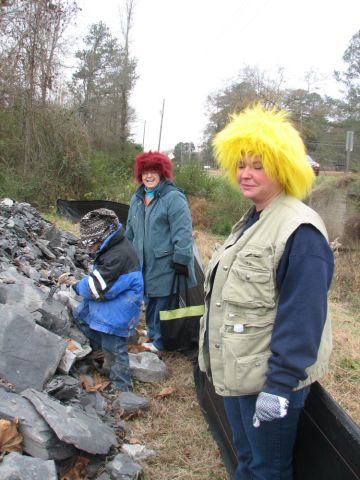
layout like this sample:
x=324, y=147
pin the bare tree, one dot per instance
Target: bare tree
x=103, y=82
x=30, y=36
x=128, y=76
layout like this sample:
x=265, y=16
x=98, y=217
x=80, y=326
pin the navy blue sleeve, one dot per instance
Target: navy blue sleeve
x=303, y=278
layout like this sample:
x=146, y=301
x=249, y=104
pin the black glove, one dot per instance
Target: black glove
x=181, y=269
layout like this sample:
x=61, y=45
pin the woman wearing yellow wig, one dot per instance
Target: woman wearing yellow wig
x=266, y=335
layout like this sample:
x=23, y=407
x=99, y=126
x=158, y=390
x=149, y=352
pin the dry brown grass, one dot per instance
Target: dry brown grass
x=175, y=428
x=346, y=281
x=343, y=378
x=62, y=223
x=205, y=243
x=199, y=207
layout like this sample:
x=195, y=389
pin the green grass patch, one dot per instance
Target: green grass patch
x=225, y=204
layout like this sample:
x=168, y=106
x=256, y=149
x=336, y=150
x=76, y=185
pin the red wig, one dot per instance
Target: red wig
x=152, y=161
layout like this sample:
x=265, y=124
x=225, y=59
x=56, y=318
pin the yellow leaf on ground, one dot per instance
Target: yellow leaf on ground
x=10, y=438
x=166, y=392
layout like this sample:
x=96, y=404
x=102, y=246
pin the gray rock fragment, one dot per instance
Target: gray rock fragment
x=38, y=438
x=129, y=402
x=104, y=476
x=93, y=402
x=68, y=298
x=22, y=293
x=147, y=367
x=137, y=451
x=29, y=354
x=18, y=467
x=63, y=387
x=73, y=425
x=54, y=317
x=7, y=202
x=42, y=244
x=70, y=356
x=122, y=467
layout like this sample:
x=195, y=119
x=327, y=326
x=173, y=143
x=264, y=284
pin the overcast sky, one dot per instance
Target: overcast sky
x=187, y=49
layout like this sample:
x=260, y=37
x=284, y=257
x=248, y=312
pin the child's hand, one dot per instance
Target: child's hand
x=66, y=279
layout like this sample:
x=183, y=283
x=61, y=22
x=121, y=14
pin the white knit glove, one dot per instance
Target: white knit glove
x=269, y=407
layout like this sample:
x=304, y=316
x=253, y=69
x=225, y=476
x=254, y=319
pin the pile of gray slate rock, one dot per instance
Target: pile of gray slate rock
x=40, y=383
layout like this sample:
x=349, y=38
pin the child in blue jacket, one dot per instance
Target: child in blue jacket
x=112, y=293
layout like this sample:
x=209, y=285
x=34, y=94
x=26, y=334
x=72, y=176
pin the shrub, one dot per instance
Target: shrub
x=194, y=180
x=346, y=281
x=111, y=174
x=55, y=163
x=227, y=205
x=223, y=205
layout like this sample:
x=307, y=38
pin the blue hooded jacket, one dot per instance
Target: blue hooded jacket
x=113, y=292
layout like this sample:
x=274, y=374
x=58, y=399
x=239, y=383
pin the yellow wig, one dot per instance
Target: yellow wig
x=268, y=135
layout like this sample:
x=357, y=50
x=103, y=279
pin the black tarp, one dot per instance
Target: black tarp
x=328, y=441
x=73, y=210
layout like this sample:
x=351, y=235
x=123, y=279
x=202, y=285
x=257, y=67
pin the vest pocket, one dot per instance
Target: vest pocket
x=250, y=282
x=250, y=373
x=250, y=288
x=245, y=360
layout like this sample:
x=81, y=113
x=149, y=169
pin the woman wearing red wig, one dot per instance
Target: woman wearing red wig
x=159, y=227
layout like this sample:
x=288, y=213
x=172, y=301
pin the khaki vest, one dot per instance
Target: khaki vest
x=243, y=300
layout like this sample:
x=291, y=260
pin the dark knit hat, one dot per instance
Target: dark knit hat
x=96, y=225
x=152, y=161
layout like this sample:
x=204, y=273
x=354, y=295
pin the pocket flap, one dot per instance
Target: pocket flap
x=161, y=252
x=252, y=276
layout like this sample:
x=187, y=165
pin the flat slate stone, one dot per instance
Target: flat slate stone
x=122, y=467
x=39, y=440
x=29, y=354
x=54, y=317
x=73, y=425
x=129, y=402
x=22, y=293
x=20, y=467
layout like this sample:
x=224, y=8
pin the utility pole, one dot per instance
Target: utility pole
x=349, y=147
x=161, y=123
x=143, y=142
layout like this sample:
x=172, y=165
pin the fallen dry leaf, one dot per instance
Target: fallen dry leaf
x=10, y=438
x=100, y=383
x=165, y=392
x=77, y=471
x=71, y=345
x=136, y=348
